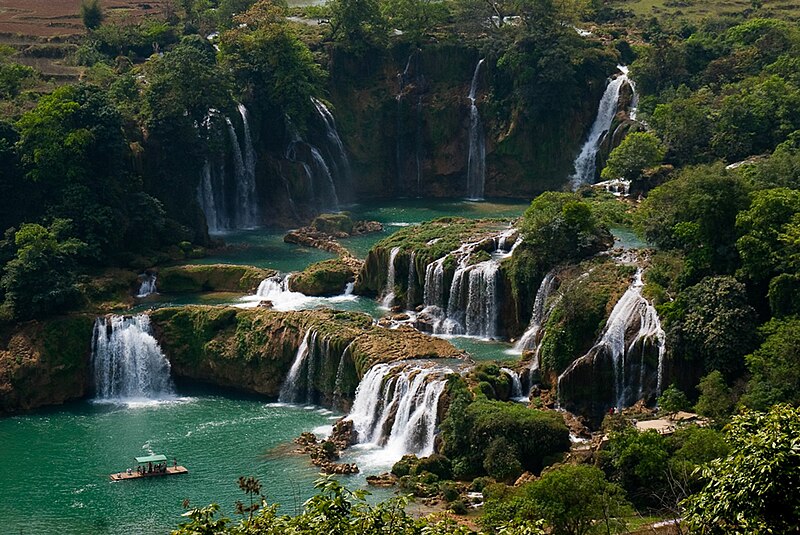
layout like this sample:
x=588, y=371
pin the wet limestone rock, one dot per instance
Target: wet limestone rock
x=325, y=278
x=193, y=278
x=44, y=362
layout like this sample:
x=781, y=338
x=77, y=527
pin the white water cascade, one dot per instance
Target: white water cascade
x=339, y=160
x=292, y=389
x=396, y=407
x=434, y=284
x=320, y=180
x=247, y=205
x=586, y=162
x=127, y=361
x=632, y=314
x=148, y=285
x=516, y=384
x=388, y=298
x=542, y=306
x=412, y=280
x=476, y=162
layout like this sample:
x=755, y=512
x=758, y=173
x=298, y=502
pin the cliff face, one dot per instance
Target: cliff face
x=253, y=350
x=405, y=119
x=44, y=362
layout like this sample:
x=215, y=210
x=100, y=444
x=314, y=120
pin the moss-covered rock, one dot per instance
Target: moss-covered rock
x=339, y=224
x=328, y=277
x=253, y=349
x=427, y=242
x=589, y=292
x=44, y=362
x=194, y=278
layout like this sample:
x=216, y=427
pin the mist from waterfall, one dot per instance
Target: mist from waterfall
x=127, y=362
x=396, y=408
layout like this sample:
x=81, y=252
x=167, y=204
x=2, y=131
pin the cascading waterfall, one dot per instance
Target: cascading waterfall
x=127, y=361
x=631, y=314
x=396, y=406
x=516, y=383
x=388, y=299
x=148, y=285
x=473, y=304
x=340, y=161
x=412, y=280
x=476, y=162
x=434, y=284
x=541, y=310
x=230, y=206
x=247, y=205
x=406, y=80
x=291, y=387
x=586, y=162
x=316, y=169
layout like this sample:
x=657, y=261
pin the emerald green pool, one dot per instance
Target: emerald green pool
x=54, y=474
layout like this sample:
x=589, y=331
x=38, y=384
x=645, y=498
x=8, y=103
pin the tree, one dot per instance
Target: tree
x=91, y=13
x=750, y=490
x=637, y=152
x=577, y=500
x=415, y=18
x=760, y=227
x=638, y=461
x=41, y=277
x=715, y=399
x=673, y=400
x=357, y=24
x=713, y=324
x=696, y=213
x=774, y=374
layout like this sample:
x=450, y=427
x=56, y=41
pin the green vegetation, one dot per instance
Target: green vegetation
x=637, y=152
x=193, y=278
x=328, y=277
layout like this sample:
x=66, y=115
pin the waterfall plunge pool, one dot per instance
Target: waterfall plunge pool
x=62, y=459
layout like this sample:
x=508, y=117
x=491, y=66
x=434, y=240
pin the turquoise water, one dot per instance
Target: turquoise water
x=264, y=248
x=55, y=463
x=627, y=239
x=401, y=213
x=482, y=350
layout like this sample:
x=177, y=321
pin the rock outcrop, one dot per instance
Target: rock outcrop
x=193, y=278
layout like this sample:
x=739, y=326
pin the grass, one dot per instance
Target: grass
x=695, y=10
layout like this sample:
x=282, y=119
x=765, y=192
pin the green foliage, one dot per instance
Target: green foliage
x=14, y=77
x=712, y=324
x=334, y=510
x=715, y=399
x=673, y=400
x=572, y=499
x=40, y=279
x=358, y=25
x=637, y=152
x=91, y=13
x=415, y=18
x=638, y=461
x=774, y=375
x=761, y=226
x=696, y=213
x=471, y=433
x=748, y=491
x=269, y=60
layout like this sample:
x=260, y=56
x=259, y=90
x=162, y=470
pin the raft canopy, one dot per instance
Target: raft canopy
x=151, y=459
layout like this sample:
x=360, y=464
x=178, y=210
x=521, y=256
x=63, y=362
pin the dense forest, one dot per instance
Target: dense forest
x=107, y=176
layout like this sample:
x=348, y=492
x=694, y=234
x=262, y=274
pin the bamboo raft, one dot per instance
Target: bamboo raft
x=147, y=469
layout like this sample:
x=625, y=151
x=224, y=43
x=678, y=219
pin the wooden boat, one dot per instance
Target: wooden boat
x=150, y=466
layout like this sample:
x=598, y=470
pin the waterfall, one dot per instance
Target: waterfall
x=541, y=310
x=316, y=168
x=585, y=163
x=410, y=82
x=632, y=314
x=230, y=206
x=434, y=284
x=473, y=304
x=388, y=299
x=516, y=383
x=290, y=389
x=148, y=285
x=340, y=160
x=412, y=281
x=476, y=162
x=127, y=360
x=397, y=405
x=247, y=204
